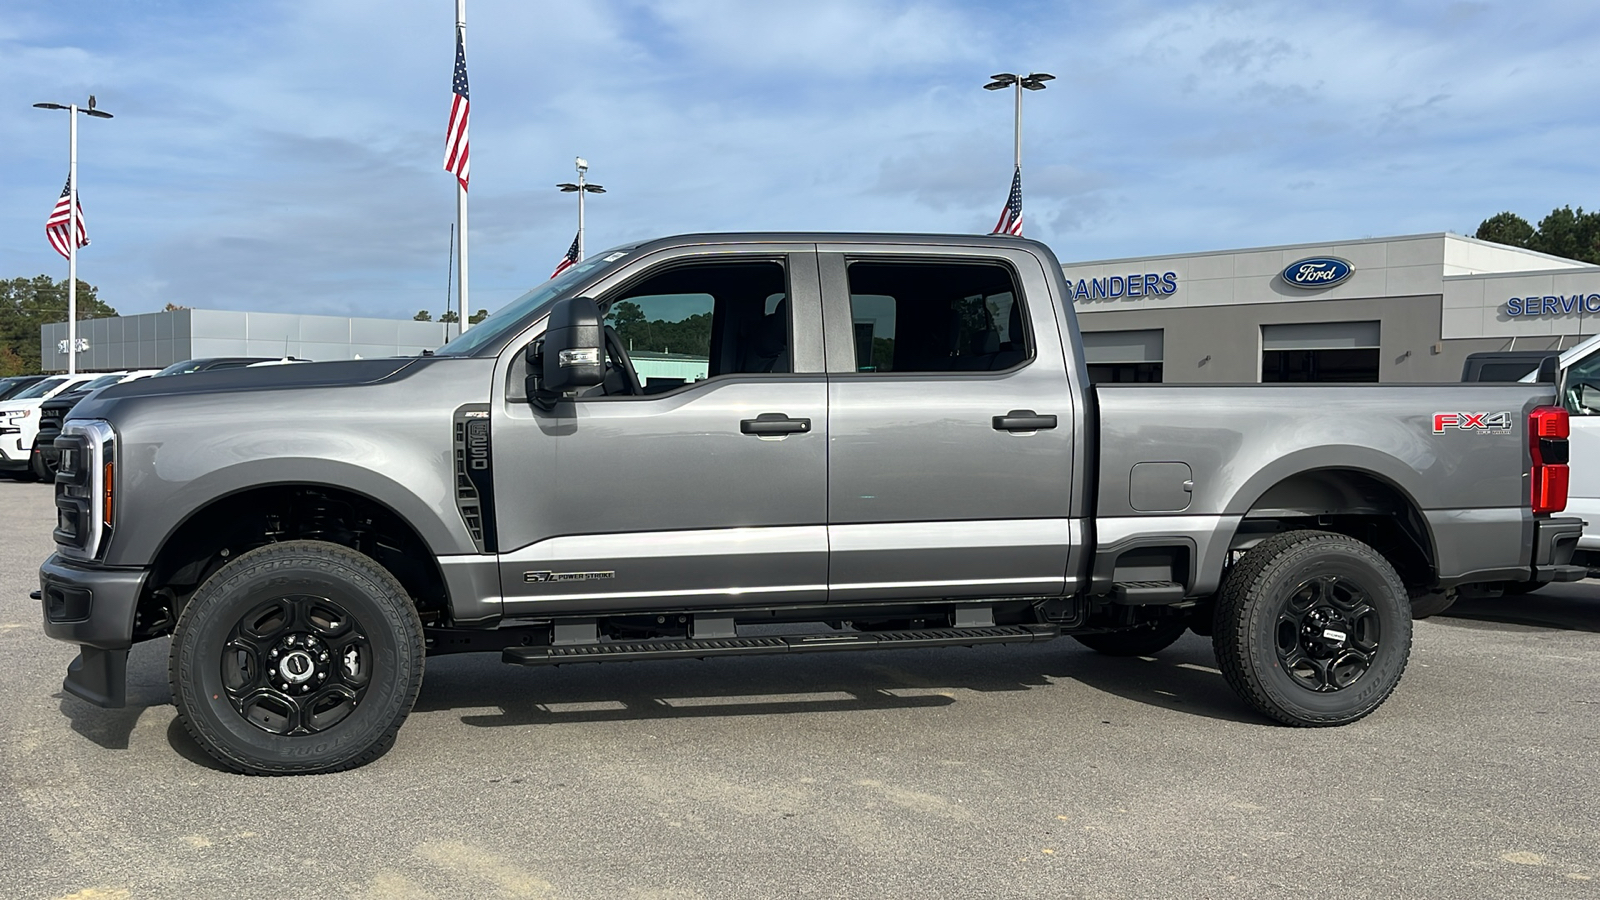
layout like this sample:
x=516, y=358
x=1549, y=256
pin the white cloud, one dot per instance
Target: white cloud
x=287, y=155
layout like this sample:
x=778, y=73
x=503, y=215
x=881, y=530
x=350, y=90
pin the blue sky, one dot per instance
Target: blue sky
x=287, y=155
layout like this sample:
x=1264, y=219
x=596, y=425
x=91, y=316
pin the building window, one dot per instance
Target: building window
x=1117, y=357
x=1320, y=351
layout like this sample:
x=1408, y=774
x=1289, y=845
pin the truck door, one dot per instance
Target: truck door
x=950, y=425
x=1581, y=397
x=698, y=472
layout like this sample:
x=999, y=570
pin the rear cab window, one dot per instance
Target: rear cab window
x=936, y=317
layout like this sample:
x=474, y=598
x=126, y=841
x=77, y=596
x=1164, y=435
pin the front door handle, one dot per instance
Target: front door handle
x=774, y=423
x=1023, y=420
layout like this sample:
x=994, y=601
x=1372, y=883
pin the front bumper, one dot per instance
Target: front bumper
x=1554, y=542
x=93, y=608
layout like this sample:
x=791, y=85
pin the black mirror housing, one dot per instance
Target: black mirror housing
x=571, y=355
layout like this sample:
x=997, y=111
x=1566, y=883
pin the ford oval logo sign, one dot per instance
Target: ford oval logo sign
x=1317, y=272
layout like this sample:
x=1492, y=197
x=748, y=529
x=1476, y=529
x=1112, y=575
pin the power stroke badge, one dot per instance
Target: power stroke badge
x=544, y=577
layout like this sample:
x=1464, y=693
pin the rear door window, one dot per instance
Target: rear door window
x=936, y=317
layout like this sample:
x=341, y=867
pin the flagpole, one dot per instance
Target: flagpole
x=461, y=199
x=72, y=240
x=1019, y=125
x=582, y=170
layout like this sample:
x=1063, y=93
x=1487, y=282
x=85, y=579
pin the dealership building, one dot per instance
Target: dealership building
x=1392, y=309
x=157, y=340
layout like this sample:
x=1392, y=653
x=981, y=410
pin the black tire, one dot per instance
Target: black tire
x=357, y=648
x=1145, y=640
x=36, y=464
x=1313, y=628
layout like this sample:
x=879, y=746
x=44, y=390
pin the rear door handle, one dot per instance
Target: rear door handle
x=774, y=423
x=1023, y=420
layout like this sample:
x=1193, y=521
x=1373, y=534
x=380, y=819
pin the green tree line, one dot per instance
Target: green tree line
x=691, y=335
x=1566, y=232
x=451, y=315
x=26, y=304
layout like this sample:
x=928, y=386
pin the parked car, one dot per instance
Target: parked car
x=19, y=420
x=207, y=364
x=16, y=384
x=895, y=444
x=54, y=411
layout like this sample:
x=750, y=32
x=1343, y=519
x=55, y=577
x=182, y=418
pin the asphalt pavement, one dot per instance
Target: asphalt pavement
x=1020, y=771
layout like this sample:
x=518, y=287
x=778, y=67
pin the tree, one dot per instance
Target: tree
x=478, y=316
x=173, y=307
x=12, y=364
x=1505, y=228
x=1569, y=233
x=450, y=316
x=27, y=303
x=422, y=316
x=1566, y=232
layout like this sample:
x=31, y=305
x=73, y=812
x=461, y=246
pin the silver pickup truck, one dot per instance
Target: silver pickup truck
x=719, y=445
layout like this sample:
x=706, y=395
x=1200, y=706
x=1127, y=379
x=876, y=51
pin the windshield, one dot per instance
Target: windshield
x=181, y=368
x=102, y=381
x=40, y=389
x=509, y=316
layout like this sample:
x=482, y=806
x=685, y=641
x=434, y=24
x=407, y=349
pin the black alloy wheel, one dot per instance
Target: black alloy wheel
x=296, y=658
x=297, y=665
x=1313, y=628
x=1328, y=633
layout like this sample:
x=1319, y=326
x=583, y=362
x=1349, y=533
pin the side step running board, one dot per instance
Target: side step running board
x=1146, y=593
x=704, y=648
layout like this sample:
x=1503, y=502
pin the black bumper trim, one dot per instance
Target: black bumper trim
x=99, y=676
x=113, y=599
x=1554, y=543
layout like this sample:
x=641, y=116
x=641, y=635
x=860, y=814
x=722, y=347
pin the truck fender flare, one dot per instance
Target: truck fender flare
x=215, y=487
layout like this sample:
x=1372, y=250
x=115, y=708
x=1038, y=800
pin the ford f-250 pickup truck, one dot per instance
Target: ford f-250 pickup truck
x=856, y=442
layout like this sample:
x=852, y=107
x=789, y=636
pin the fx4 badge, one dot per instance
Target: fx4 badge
x=542, y=577
x=1481, y=422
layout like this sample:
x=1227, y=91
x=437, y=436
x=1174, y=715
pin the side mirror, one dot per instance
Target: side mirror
x=571, y=354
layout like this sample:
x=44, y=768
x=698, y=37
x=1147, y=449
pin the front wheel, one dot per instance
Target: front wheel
x=1313, y=628
x=296, y=658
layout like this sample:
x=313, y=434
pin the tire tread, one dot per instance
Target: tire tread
x=1231, y=627
x=281, y=555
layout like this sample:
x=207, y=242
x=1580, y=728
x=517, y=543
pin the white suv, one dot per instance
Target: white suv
x=19, y=416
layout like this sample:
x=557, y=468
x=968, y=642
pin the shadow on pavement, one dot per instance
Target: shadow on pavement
x=1183, y=679
x=1570, y=607
x=147, y=687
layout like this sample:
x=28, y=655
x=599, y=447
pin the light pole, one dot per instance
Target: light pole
x=1033, y=81
x=581, y=188
x=72, y=226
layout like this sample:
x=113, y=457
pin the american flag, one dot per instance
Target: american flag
x=455, y=141
x=1011, y=217
x=59, y=224
x=569, y=259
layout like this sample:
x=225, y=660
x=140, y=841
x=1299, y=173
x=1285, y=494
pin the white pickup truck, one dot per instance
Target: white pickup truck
x=19, y=419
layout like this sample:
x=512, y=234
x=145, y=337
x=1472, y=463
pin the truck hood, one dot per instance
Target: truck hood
x=341, y=373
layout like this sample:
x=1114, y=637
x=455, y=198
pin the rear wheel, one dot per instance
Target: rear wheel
x=1144, y=640
x=299, y=657
x=1313, y=628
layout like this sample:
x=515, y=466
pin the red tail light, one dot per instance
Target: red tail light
x=1547, y=444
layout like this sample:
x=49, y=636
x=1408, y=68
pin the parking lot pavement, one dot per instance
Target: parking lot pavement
x=1034, y=771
